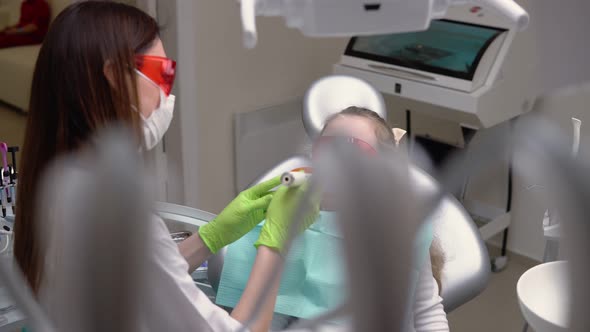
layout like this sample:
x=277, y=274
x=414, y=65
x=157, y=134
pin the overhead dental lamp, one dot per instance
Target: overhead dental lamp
x=345, y=18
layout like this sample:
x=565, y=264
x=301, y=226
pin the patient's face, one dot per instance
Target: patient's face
x=352, y=126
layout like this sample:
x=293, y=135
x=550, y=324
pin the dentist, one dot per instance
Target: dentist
x=102, y=63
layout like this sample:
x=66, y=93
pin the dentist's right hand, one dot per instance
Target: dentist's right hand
x=240, y=216
x=280, y=214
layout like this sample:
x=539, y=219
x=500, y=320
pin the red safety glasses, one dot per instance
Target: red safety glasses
x=327, y=141
x=162, y=71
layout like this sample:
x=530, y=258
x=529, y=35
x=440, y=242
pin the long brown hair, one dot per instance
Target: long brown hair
x=71, y=98
x=386, y=140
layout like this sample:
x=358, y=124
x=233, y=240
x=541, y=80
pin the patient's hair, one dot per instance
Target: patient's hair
x=382, y=131
x=437, y=258
x=386, y=140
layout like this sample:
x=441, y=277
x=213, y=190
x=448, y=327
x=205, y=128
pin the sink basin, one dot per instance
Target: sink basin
x=543, y=295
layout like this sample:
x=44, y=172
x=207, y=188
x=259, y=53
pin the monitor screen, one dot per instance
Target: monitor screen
x=448, y=48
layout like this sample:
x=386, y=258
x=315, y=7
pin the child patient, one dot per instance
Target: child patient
x=370, y=133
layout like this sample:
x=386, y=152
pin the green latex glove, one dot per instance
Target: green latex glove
x=239, y=217
x=280, y=213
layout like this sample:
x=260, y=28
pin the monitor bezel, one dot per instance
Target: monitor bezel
x=427, y=68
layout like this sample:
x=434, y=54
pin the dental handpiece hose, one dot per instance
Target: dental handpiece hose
x=5, y=184
x=13, y=193
x=3, y=203
x=8, y=193
x=13, y=183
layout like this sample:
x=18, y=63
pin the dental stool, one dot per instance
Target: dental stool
x=467, y=265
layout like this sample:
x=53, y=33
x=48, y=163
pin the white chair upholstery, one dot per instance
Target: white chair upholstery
x=332, y=94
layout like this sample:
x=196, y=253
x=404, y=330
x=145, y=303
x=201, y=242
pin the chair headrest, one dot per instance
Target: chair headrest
x=332, y=94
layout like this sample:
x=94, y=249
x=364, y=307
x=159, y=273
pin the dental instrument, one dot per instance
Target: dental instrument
x=3, y=203
x=13, y=176
x=8, y=179
x=577, y=124
x=294, y=179
x=4, y=179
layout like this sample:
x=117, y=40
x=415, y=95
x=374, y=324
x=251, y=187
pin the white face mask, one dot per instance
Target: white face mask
x=155, y=126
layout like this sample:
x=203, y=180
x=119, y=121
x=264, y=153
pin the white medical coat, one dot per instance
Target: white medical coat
x=170, y=302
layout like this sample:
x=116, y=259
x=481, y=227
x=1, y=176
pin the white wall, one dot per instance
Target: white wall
x=227, y=79
x=563, y=60
x=529, y=205
x=526, y=235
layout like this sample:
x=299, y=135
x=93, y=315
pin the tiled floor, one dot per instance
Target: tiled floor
x=496, y=309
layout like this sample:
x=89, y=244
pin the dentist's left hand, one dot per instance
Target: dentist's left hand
x=280, y=214
x=246, y=211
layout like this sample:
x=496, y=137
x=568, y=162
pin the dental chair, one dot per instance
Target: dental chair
x=467, y=265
